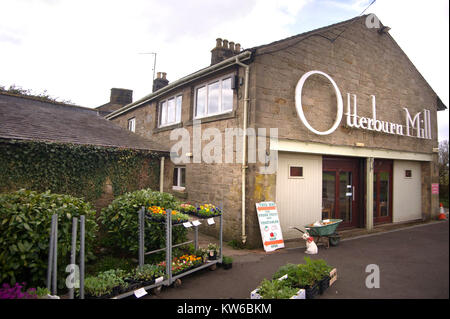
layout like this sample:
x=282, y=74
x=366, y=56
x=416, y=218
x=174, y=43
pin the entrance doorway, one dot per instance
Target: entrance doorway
x=382, y=191
x=340, y=190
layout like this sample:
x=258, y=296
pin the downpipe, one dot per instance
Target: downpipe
x=244, y=147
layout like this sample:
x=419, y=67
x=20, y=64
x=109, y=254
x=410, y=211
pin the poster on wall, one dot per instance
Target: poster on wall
x=435, y=188
x=269, y=225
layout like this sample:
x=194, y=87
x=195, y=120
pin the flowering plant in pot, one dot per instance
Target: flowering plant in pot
x=188, y=208
x=202, y=253
x=158, y=213
x=212, y=251
x=208, y=210
x=15, y=292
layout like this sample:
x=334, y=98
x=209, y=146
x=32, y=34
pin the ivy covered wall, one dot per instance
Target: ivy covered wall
x=79, y=170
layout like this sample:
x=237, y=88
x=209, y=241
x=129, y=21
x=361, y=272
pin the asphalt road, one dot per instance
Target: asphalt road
x=413, y=263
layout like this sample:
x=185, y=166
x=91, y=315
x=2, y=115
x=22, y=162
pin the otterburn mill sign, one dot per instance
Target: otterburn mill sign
x=421, y=122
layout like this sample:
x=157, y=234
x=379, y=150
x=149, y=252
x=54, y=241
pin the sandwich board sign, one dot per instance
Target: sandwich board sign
x=269, y=225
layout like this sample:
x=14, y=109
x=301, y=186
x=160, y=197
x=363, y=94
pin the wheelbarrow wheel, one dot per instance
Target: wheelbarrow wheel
x=334, y=240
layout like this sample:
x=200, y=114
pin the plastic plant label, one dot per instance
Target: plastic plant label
x=159, y=279
x=187, y=224
x=140, y=293
x=283, y=277
x=196, y=223
x=211, y=221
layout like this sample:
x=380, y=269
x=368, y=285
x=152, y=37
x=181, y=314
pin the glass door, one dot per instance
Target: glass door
x=382, y=191
x=340, y=190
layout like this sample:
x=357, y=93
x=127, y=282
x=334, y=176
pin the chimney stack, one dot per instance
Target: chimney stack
x=224, y=50
x=160, y=81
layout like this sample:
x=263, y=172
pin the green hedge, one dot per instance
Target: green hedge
x=25, y=222
x=120, y=221
x=78, y=170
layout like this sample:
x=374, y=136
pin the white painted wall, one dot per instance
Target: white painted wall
x=407, y=201
x=299, y=201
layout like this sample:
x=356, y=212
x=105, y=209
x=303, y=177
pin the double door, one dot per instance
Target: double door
x=340, y=190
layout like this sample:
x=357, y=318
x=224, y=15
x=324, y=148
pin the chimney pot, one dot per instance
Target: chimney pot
x=158, y=75
x=237, y=47
x=231, y=44
x=218, y=43
x=164, y=74
x=225, y=43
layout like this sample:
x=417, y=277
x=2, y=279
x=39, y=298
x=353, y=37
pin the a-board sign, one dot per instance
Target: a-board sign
x=269, y=225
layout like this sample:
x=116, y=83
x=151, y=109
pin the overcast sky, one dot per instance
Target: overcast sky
x=79, y=50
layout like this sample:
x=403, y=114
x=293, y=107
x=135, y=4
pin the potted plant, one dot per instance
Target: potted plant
x=276, y=289
x=97, y=288
x=202, y=253
x=187, y=208
x=147, y=274
x=227, y=262
x=320, y=271
x=306, y=280
x=212, y=251
x=208, y=210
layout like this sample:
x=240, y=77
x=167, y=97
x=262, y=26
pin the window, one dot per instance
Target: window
x=215, y=97
x=295, y=171
x=132, y=124
x=170, y=111
x=179, y=178
x=408, y=173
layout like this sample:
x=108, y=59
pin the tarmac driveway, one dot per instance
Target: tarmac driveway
x=413, y=263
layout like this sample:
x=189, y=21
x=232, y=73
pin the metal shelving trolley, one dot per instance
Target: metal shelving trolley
x=169, y=278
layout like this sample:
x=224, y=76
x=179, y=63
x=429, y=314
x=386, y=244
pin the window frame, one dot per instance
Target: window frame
x=220, y=106
x=296, y=177
x=406, y=174
x=176, y=121
x=133, y=126
x=179, y=178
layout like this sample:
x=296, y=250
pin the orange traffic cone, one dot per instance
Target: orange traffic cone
x=442, y=214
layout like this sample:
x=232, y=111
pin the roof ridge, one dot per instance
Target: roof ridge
x=44, y=100
x=306, y=33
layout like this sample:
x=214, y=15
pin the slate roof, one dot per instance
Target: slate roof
x=26, y=118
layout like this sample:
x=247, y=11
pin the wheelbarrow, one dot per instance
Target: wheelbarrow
x=325, y=232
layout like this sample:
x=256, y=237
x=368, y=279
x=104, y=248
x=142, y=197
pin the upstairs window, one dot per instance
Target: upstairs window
x=170, y=111
x=215, y=97
x=132, y=124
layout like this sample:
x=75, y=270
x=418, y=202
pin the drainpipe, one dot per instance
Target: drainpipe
x=244, y=145
x=161, y=175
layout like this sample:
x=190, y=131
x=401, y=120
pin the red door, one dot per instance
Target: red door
x=340, y=190
x=382, y=191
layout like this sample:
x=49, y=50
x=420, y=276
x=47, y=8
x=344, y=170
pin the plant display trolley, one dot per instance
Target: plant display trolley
x=169, y=277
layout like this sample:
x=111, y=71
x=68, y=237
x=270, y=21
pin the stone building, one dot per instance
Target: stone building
x=354, y=131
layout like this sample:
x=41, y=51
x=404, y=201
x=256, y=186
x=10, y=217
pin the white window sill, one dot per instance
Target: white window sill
x=211, y=115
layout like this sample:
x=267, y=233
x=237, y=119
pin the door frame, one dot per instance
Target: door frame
x=345, y=164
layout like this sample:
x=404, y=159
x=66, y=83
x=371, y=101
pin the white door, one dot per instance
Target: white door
x=299, y=191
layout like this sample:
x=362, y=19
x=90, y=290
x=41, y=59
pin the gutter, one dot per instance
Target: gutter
x=215, y=67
